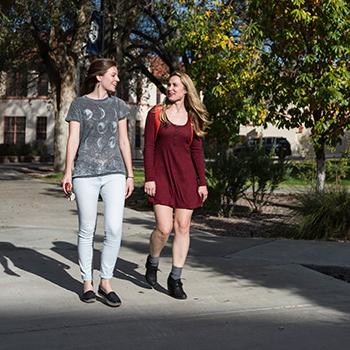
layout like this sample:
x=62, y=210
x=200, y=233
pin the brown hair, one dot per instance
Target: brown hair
x=97, y=67
x=193, y=104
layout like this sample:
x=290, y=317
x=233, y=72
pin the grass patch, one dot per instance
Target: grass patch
x=344, y=182
x=294, y=182
x=139, y=177
x=54, y=176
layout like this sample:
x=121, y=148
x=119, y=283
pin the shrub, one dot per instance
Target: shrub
x=323, y=215
x=250, y=173
x=8, y=150
x=303, y=170
x=265, y=173
x=227, y=180
x=336, y=169
x=28, y=150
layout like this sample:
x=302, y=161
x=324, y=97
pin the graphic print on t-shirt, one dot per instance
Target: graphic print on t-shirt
x=98, y=152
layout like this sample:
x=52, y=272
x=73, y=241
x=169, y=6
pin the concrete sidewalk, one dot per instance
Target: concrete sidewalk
x=242, y=293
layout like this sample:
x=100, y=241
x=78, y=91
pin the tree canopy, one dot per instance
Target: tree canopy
x=51, y=34
x=219, y=56
x=305, y=69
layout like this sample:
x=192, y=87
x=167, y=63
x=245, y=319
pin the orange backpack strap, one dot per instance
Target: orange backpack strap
x=157, y=110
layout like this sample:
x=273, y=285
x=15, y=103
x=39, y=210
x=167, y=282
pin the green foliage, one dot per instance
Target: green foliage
x=336, y=169
x=265, y=173
x=48, y=36
x=139, y=177
x=227, y=180
x=222, y=61
x=252, y=174
x=34, y=28
x=305, y=72
x=323, y=215
x=302, y=170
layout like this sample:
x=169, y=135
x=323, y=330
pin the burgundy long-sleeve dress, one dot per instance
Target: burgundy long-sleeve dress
x=174, y=160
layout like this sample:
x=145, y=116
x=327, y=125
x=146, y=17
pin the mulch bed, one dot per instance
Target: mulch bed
x=275, y=220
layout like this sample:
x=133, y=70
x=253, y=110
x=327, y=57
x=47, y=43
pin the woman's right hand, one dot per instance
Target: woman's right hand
x=67, y=183
x=150, y=188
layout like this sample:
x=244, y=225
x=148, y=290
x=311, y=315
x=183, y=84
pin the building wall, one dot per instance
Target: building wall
x=140, y=107
x=24, y=93
x=294, y=135
x=299, y=139
x=31, y=108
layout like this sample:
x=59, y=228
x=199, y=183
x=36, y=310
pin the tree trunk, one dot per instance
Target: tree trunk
x=320, y=167
x=65, y=98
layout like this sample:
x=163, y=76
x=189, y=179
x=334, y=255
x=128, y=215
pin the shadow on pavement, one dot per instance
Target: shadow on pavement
x=215, y=255
x=184, y=329
x=148, y=224
x=31, y=261
x=124, y=270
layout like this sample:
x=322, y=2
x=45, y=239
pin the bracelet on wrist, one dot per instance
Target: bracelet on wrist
x=129, y=177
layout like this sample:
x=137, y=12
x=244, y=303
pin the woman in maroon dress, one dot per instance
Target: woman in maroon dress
x=174, y=174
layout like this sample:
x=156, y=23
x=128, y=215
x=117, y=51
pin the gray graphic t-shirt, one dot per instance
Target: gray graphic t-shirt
x=98, y=152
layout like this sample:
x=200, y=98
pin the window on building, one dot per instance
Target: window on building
x=14, y=130
x=43, y=85
x=17, y=83
x=41, y=128
x=138, y=134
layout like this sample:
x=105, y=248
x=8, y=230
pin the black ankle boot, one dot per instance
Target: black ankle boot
x=175, y=288
x=151, y=273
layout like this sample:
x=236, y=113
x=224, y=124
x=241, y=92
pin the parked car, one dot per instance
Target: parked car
x=280, y=146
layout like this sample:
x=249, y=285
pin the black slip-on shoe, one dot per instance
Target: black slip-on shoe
x=175, y=289
x=111, y=298
x=151, y=273
x=88, y=297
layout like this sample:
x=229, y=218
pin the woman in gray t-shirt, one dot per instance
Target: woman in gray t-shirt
x=99, y=148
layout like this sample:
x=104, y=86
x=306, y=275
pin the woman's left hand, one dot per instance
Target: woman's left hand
x=203, y=193
x=129, y=187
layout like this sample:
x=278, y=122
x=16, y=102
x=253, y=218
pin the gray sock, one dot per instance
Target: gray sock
x=176, y=272
x=153, y=260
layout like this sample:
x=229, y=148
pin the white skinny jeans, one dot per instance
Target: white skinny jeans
x=87, y=190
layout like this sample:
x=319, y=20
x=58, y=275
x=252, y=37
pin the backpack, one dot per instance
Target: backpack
x=156, y=112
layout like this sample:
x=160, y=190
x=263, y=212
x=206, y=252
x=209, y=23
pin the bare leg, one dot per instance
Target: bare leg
x=164, y=225
x=181, y=242
x=159, y=237
x=181, y=245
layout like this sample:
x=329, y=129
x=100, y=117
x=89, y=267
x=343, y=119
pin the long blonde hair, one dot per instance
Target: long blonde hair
x=193, y=104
